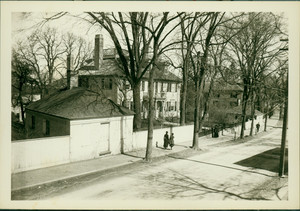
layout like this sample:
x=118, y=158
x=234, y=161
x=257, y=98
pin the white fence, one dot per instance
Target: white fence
x=39, y=153
x=45, y=152
x=181, y=133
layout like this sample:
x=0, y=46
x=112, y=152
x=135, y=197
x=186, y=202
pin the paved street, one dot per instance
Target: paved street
x=219, y=173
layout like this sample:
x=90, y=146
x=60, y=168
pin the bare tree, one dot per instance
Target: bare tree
x=79, y=48
x=252, y=46
x=133, y=54
x=190, y=25
x=142, y=33
x=21, y=77
x=200, y=66
x=42, y=51
x=159, y=34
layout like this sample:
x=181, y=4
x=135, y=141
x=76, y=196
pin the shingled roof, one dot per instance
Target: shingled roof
x=111, y=67
x=78, y=103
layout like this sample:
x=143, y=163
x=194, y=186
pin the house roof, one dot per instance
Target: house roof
x=111, y=67
x=108, y=67
x=238, y=110
x=163, y=75
x=223, y=87
x=78, y=103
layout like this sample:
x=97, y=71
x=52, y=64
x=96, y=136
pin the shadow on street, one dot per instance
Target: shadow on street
x=268, y=160
x=179, y=185
x=214, y=164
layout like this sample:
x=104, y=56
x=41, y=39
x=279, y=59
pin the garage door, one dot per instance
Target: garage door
x=103, y=144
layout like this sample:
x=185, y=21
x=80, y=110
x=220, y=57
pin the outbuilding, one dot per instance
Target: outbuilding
x=96, y=125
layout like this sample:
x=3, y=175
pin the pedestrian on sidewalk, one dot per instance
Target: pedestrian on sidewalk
x=166, y=140
x=172, y=140
x=257, y=127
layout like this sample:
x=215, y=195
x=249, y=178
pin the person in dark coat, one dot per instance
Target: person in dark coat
x=172, y=140
x=257, y=127
x=166, y=140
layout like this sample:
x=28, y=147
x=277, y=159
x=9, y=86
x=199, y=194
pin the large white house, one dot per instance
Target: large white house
x=104, y=73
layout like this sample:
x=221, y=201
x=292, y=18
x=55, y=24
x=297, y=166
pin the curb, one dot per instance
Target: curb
x=95, y=172
x=80, y=175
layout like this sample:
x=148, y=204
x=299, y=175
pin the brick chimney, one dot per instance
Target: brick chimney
x=98, y=52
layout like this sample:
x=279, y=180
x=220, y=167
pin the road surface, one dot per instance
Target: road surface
x=240, y=170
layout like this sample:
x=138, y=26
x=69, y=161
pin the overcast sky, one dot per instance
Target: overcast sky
x=23, y=24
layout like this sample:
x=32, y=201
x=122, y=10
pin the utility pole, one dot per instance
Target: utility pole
x=284, y=128
x=284, y=125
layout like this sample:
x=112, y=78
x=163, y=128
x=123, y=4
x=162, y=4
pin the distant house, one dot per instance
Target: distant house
x=104, y=74
x=225, y=96
x=92, y=122
x=225, y=105
x=235, y=114
x=29, y=94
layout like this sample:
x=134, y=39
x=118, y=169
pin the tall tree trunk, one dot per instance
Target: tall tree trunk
x=183, y=96
x=202, y=110
x=284, y=131
x=266, y=116
x=22, y=109
x=280, y=111
x=196, y=116
x=148, y=156
x=252, y=112
x=244, y=109
x=137, y=106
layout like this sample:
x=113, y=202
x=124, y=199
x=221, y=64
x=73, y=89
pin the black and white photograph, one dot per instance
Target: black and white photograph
x=148, y=103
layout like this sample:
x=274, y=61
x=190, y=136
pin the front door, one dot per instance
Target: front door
x=160, y=109
x=103, y=145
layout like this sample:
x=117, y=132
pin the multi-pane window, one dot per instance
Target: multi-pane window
x=32, y=122
x=176, y=87
x=217, y=95
x=46, y=127
x=156, y=87
x=83, y=82
x=233, y=95
x=169, y=87
x=106, y=83
x=110, y=84
x=103, y=83
x=162, y=87
x=168, y=106
x=131, y=106
x=143, y=86
x=233, y=103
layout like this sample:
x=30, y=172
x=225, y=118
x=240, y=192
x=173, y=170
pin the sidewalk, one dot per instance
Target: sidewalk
x=33, y=178
x=37, y=177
